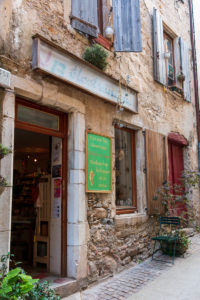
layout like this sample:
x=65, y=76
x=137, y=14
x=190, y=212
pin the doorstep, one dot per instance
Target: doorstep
x=63, y=286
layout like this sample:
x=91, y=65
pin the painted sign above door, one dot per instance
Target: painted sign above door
x=63, y=65
x=98, y=163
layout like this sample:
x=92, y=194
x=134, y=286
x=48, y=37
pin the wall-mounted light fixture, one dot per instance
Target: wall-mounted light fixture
x=109, y=32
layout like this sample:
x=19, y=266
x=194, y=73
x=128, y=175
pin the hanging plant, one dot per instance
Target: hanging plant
x=97, y=56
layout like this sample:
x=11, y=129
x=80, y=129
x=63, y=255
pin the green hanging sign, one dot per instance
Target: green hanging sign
x=98, y=163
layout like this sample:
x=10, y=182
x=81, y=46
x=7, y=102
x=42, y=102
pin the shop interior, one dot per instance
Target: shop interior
x=31, y=205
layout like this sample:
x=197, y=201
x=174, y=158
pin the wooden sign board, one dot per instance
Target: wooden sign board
x=63, y=65
x=98, y=163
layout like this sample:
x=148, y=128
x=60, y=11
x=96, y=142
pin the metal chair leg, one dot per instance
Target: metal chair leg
x=174, y=252
x=153, y=250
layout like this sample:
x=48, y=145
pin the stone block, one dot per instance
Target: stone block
x=26, y=88
x=100, y=213
x=50, y=93
x=9, y=104
x=77, y=261
x=5, y=209
x=76, y=160
x=4, y=242
x=69, y=104
x=77, y=234
x=76, y=203
x=77, y=177
x=7, y=137
x=79, y=132
x=110, y=264
x=132, y=251
x=130, y=220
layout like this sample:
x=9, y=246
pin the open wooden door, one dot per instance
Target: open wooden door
x=156, y=169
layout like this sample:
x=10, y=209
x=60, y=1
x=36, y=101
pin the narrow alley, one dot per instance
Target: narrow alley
x=152, y=280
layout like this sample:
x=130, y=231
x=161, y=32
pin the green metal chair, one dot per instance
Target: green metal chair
x=167, y=239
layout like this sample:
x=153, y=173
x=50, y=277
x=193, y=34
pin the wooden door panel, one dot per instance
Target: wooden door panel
x=176, y=167
x=156, y=164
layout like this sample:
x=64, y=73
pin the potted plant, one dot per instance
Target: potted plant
x=97, y=56
x=171, y=197
x=182, y=245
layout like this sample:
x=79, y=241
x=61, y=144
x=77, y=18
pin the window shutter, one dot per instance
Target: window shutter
x=185, y=67
x=156, y=168
x=177, y=62
x=85, y=16
x=158, y=48
x=127, y=26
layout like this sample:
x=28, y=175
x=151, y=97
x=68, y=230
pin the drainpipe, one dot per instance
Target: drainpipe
x=194, y=60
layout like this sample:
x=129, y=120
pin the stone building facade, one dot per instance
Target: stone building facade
x=96, y=234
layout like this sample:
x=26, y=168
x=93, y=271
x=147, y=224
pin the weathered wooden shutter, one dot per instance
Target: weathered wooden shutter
x=185, y=66
x=177, y=61
x=156, y=168
x=127, y=25
x=85, y=16
x=158, y=48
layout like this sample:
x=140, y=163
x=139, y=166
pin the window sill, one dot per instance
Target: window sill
x=120, y=211
x=169, y=90
x=103, y=42
x=130, y=219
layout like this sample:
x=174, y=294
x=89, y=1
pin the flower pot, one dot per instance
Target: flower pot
x=181, y=77
x=168, y=248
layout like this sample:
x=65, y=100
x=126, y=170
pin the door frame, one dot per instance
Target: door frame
x=61, y=133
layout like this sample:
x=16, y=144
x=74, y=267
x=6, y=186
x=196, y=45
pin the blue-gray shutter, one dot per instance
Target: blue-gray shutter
x=158, y=49
x=85, y=16
x=127, y=25
x=177, y=61
x=185, y=67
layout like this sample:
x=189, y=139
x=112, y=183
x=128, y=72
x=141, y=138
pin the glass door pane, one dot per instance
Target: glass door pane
x=37, y=117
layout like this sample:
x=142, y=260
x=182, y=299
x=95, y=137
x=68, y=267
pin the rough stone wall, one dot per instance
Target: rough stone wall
x=113, y=240
x=115, y=243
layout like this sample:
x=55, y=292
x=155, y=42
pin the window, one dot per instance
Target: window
x=93, y=16
x=169, y=52
x=125, y=166
x=171, y=58
x=37, y=117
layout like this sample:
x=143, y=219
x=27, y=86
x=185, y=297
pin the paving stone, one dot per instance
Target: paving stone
x=128, y=282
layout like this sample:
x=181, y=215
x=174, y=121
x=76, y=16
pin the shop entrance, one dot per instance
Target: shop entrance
x=38, y=237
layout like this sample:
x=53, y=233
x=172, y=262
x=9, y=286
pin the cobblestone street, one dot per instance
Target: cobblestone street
x=133, y=280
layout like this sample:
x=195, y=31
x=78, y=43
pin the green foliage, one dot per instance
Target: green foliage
x=171, y=196
x=96, y=55
x=182, y=245
x=183, y=240
x=4, y=151
x=42, y=291
x=17, y=285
